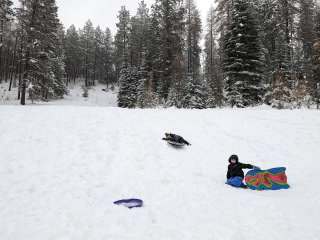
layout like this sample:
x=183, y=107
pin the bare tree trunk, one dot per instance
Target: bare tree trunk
x=1, y=47
x=13, y=62
x=86, y=66
x=20, y=70
x=24, y=80
x=95, y=66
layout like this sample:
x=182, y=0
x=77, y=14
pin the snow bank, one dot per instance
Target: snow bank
x=61, y=169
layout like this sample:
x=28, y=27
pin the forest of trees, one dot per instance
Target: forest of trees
x=247, y=53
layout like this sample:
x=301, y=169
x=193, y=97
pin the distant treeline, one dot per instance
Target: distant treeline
x=253, y=53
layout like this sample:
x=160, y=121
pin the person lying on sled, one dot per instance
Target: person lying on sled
x=175, y=138
x=235, y=173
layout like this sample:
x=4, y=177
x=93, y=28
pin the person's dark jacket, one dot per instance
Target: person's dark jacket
x=176, y=138
x=235, y=169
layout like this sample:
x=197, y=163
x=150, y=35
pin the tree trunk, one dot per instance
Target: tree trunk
x=28, y=56
x=13, y=62
x=1, y=47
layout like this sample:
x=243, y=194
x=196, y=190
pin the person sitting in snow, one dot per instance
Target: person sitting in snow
x=235, y=173
x=175, y=138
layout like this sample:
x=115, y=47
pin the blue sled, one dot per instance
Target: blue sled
x=236, y=182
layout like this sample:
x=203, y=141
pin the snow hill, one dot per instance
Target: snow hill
x=61, y=168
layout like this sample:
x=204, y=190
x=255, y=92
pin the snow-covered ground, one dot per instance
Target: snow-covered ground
x=96, y=97
x=61, y=168
x=8, y=97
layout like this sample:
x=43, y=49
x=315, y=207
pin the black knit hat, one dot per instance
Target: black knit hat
x=234, y=157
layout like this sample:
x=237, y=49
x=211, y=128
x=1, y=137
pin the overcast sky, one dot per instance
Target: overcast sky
x=104, y=12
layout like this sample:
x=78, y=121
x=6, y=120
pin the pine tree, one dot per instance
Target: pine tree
x=316, y=71
x=108, y=72
x=138, y=30
x=88, y=51
x=195, y=95
x=212, y=64
x=307, y=37
x=146, y=97
x=281, y=91
x=317, y=22
x=153, y=49
x=128, y=83
x=193, y=85
x=122, y=40
x=6, y=15
x=73, y=51
x=266, y=13
x=243, y=62
x=140, y=49
x=224, y=12
x=98, y=54
x=277, y=20
x=283, y=78
x=27, y=17
x=193, y=32
x=59, y=88
x=316, y=59
x=171, y=15
x=6, y=12
x=40, y=24
x=222, y=19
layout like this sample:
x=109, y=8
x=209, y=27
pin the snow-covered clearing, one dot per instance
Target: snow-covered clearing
x=61, y=168
x=97, y=97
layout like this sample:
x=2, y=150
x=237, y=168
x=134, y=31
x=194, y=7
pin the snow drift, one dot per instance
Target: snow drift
x=63, y=167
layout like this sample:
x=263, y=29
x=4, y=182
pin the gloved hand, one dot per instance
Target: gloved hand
x=256, y=168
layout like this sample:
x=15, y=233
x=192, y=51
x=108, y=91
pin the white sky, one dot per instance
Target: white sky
x=104, y=12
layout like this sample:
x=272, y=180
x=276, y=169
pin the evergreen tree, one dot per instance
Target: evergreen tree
x=307, y=36
x=6, y=14
x=88, y=51
x=222, y=18
x=171, y=15
x=212, y=64
x=40, y=24
x=146, y=97
x=108, y=72
x=52, y=53
x=98, y=54
x=283, y=78
x=281, y=91
x=193, y=83
x=128, y=83
x=73, y=51
x=317, y=22
x=122, y=40
x=266, y=14
x=224, y=13
x=243, y=62
x=153, y=49
x=59, y=88
x=195, y=95
x=193, y=32
x=138, y=31
x=316, y=71
x=316, y=58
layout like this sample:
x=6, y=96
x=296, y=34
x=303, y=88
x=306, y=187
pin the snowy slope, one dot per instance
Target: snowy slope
x=96, y=97
x=62, y=169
